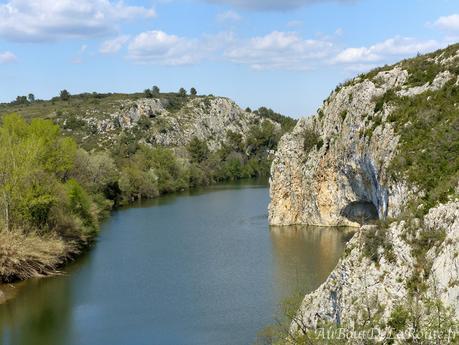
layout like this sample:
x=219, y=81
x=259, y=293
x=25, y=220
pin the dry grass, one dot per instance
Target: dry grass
x=24, y=256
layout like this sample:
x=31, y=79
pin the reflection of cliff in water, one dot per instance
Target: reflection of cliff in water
x=309, y=252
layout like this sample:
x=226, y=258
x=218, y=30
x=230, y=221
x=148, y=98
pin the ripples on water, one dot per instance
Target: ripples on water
x=200, y=267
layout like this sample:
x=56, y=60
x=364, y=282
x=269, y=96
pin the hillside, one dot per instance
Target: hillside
x=381, y=154
x=65, y=163
x=99, y=121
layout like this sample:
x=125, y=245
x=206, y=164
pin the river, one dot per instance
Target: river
x=200, y=267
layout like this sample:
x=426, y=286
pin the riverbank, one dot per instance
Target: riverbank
x=27, y=256
x=198, y=267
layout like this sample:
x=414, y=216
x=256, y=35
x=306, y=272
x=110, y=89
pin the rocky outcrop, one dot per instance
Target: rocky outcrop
x=358, y=283
x=313, y=187
x=336, y=167
x=155, y=121
x=356, y=143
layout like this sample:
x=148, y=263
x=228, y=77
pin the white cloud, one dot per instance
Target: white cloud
x=113, y=45
x=162, y=48
x=47, y=20
x=397, y=47
x=280, y=50
x=158, y=47
x=273, y=4
x=448, y=22
x=228, y=16
x=7, y=57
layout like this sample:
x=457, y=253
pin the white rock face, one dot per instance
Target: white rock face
x=207, y=118
x=349, y=163
x=358, y=282
x=440, y=80
x=314, y=187
x=357, y=144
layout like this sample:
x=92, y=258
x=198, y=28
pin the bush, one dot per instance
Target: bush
x=311, y=139
x=198, y=150
x=81, y=204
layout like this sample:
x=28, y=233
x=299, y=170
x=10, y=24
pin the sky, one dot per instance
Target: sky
x=283, y=54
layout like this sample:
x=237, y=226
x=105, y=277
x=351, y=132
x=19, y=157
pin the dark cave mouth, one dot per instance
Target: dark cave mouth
x=362, y=212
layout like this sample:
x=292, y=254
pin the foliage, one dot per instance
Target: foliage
x=182, y=92
x=64, y=95
x=428, y=153
x=148, y=93
x=287, y=123
x=34, y=159
x=377, y=243
x=80, y=203
x=155, y=91
x=311, y=139
x=198, y=150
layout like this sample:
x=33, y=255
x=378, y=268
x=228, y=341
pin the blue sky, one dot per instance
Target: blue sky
x=284, y=54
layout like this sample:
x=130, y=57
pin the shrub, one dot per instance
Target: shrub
x=80, y=203
x=198, y=150
x=311, y=139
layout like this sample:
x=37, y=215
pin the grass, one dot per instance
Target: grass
x=31, y=255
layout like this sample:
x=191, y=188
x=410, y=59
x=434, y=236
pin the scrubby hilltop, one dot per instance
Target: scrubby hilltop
x=381, y=154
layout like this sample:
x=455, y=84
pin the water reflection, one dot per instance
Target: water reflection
x=35, y=319
x=193, y=268
x=305, y=255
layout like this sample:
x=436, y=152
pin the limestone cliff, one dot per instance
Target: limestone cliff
x=385, y=146
x=157, y=121
x=349, y=164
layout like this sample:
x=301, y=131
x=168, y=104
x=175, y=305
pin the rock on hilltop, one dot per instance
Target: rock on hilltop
x=159, y=121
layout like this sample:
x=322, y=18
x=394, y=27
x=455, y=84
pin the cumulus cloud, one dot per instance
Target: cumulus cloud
x=273, y=4
x=158, y=47
x=47, y=20
x=162, y=48
x=393, y=47
x=7, y=57
x=114, y=45
x=280, y=50
x=448, y=22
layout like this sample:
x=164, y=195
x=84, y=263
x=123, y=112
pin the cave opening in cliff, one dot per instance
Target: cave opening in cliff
x=362, y=212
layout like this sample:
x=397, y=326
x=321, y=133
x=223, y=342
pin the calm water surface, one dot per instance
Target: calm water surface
x=194, y=268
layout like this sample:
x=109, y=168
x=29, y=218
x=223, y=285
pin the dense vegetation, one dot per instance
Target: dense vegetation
x=45, y=214
x=428, y=156
x=147, y=172
x=53, y=194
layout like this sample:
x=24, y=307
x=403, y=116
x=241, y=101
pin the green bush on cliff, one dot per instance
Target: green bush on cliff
x=428, y=153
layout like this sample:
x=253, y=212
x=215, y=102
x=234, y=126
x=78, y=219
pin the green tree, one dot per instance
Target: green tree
x=147, y=93
x=156, y=91
x=64, y=95
x=198, y=150
x=80, y=203
x=21, y=100
x=193, y=91
x=34, y=160
x=182, y=92
x=31, y=98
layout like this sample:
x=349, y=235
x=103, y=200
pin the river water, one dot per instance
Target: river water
x=200, y=267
